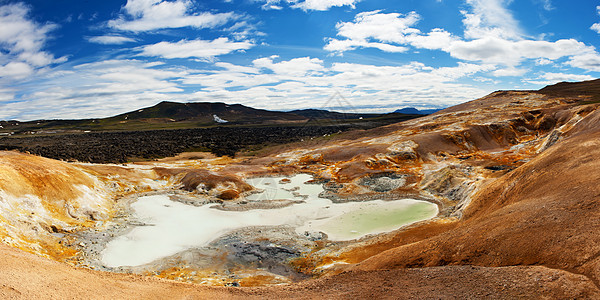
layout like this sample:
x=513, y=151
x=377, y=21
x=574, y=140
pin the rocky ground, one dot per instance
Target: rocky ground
x=515, y=176
x=121, y=147
x=27, y=276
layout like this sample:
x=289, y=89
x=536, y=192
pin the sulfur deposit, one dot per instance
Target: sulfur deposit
x=513, y=177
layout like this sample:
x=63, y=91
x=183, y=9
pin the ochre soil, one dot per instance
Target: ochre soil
x=547, y=212
x=27, y=276
x=530, y=231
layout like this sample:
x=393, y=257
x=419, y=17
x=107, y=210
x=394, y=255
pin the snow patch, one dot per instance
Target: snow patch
x=219, y=120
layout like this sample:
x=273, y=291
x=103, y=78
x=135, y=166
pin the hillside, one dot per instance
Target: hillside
x=514, y=175
x=174, y=115
x=203, y=112
x=325, y=114
x=590, y=90
x=414, y=111
x=164, y=115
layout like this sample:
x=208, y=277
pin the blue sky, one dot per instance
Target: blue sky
x=89, y=59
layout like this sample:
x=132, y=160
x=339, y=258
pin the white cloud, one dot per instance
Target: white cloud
x=98, y=89
x=391, y=28
x=323, y=5
x=543, y=62
x=243, y=30
x=6, y=95
x=110, y=39
x=16, y=70
x=236, y=68
x=437, y=39
x=491, y=36
x=22, y=42
x=386, y=87
x=589, y=61
x=512, y=53
x=552, y=78
x=320, y=5
x=490, y=18
x=510, y=72
x=147, y=15
x=201, y=49
x=596, y=26
x=110, y=87
x=387, y=32
x=547, y=4
x=335, y=45
x=295, y=67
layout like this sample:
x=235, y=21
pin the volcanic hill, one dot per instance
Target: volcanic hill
x=175, y=115
x=515, y=176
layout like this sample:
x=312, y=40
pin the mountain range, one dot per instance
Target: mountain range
x=414, y=111
x=175, y=115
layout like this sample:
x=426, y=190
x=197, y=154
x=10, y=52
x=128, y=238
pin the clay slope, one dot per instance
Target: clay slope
x=515, y=176
x=26, y=276
x=546, y=213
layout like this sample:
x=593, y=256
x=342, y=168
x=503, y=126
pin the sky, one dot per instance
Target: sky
x=72, y=59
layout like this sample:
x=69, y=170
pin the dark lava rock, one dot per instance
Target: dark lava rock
x=121, y=147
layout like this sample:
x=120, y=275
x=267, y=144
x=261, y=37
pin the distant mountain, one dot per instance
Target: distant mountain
x=325, y=114
x=590, y=88
x=414, y=111
x=205, y=112
x=164, y=115
x=175, y=115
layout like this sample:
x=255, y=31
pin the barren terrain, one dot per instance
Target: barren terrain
x=514, y=175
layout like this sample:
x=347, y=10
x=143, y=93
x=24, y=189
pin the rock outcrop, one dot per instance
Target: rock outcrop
x=515, y=175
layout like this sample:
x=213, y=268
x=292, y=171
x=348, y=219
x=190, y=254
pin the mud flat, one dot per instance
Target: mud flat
x=162, y=228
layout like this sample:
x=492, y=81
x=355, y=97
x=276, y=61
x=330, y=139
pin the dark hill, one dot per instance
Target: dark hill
x=175, y=115
x=325, y=114
x=414, y=111
x=204, y=111
x=590, y=88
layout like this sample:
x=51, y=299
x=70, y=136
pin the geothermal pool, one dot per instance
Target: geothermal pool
x=170, y=227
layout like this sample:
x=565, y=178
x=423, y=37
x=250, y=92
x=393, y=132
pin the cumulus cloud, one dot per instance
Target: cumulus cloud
x=6, y=95
x=543, y=62
x=110, y=39
x=490, y=18
x=588, y=61
x=387, y=32
x=324, y=4
x=295, y=67
x=147, y=15
x=16, y=70
x=491, y=36
x=98, y=89
x=320, y=5
x=110, y=87
x=21, y=42
x=552, y=78
x=596, y=26
x=386, y=87
x=391, y=27
x=511, y=53
x=200, y=49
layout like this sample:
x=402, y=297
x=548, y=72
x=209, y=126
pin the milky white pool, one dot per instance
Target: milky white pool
x=171, y=227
